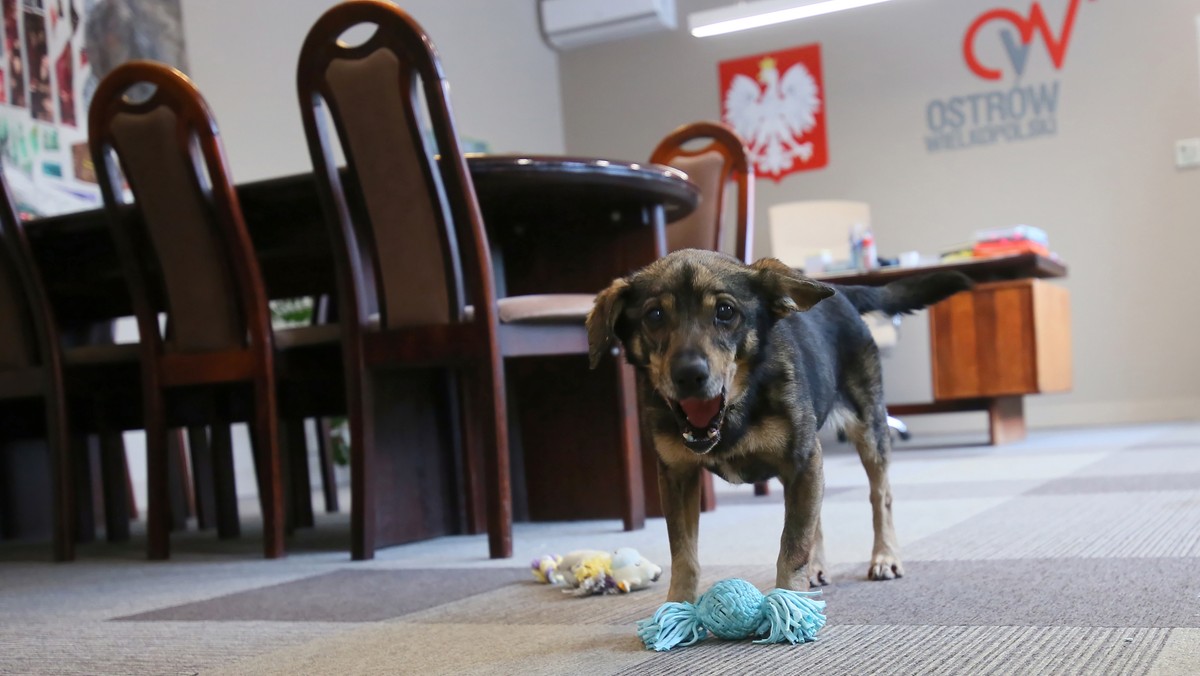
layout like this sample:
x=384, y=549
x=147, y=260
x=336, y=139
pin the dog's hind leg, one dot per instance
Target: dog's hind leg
x=871, y=438
x=679, y=490
x=801, y=551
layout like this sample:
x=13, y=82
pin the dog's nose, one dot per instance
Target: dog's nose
x=690, y=373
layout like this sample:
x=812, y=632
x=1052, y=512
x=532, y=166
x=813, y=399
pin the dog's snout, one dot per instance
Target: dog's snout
x=690, y=373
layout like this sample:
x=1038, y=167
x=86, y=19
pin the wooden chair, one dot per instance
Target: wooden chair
x=185, y=251
x=31, y=369
x=404, y=217
x=713, y=156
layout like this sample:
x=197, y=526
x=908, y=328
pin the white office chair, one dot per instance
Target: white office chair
x=799, y=231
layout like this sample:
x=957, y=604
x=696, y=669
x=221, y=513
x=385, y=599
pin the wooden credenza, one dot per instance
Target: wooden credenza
x=1008, y=337
x=1002, y=339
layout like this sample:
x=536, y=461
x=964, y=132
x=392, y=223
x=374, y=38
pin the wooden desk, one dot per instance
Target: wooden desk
x=557, y=225
x=1007, y=338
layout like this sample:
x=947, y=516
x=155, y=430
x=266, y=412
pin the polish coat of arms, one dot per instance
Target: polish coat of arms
x=774, y=102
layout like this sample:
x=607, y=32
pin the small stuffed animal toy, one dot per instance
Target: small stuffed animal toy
x=590, y=571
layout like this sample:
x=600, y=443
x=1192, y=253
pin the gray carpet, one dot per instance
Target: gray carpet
x=1074, y=552
x=342, y=596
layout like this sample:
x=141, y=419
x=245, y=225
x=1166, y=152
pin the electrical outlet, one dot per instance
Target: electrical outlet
x=1187, y=153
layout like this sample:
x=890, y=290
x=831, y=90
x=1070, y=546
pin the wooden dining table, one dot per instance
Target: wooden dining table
x=556, y=224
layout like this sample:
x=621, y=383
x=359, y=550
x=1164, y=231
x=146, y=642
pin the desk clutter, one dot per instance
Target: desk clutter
x=862, y=254
x=1014, y=240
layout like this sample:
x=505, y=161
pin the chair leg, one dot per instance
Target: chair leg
x=325, y=456
x=182, y=502
x=472, y=444
x=158, y=502
x=298, y=488
x=359, y=392
x=489, y=386
x=202, y=477
x=133, y=508
x=633, y=493
x=84, y=515
x=59, y=445
x=225, y=483
x=901, y=429
x=115, y=470
x=708, y=493
x=265, y=433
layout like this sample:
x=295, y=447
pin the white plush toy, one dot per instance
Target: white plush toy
x=591, y=571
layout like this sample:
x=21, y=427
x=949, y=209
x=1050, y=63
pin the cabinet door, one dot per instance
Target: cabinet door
x=1002, y=338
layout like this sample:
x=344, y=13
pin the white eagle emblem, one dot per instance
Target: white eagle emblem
x=772, y=120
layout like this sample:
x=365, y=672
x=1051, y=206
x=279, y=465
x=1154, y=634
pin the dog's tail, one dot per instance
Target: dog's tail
x=906, y=295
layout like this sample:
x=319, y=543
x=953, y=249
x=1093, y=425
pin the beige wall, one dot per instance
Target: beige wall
x=1104, y=187
x=242, y=54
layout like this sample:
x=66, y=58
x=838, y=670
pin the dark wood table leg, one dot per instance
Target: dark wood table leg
x=632, y=489
x=1006, y=420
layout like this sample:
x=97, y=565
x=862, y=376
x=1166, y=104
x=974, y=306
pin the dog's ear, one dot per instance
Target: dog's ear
x=786, y=289
x=602, y=320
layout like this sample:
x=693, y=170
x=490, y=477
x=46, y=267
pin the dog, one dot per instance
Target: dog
x=739, y=366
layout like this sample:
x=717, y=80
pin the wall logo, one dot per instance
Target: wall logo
x=774, y=103
x=998, y=43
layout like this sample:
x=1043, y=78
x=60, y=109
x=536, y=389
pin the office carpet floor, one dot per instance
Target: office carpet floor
x=1074, y=552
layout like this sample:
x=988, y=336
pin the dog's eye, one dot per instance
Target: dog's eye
x=653, y=316
x=724, y=312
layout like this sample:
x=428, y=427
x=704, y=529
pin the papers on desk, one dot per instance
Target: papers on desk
x=1017, y=239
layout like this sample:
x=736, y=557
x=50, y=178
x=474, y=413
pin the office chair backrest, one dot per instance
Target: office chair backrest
x=184, y=231
x=712, y=155
x=799, y=230
x=406, y=216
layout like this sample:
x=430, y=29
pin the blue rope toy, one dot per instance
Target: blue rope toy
x=735, y=609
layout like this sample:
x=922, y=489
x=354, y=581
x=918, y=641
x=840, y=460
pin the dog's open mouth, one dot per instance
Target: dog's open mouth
x=700, y=421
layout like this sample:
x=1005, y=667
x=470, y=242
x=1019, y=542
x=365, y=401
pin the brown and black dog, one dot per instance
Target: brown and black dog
x=742, y=365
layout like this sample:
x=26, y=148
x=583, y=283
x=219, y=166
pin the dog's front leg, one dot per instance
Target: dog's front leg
x=802, y=512
x=679, y=489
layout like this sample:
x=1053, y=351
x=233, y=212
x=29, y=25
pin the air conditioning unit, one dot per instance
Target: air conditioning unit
x=568, y=24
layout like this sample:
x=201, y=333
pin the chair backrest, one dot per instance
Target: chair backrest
x=28, y=333
x=409, y=237
x=712, y=156
x=183, y=239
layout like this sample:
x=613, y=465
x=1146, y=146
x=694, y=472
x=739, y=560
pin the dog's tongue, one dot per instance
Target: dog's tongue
x=700, y=412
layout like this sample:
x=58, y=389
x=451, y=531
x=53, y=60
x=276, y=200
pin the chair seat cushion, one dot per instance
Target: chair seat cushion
x=101, y=354
x=307, y=336
x=548, y=308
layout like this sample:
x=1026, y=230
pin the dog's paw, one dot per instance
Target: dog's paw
x=885, y=567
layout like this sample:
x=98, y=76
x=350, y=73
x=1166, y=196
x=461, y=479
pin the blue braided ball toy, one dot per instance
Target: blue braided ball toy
x=735, y=609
